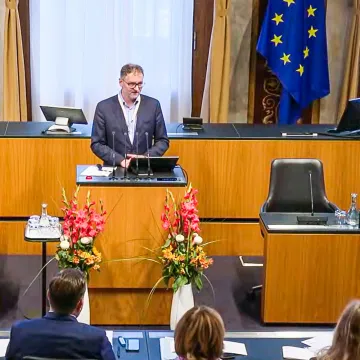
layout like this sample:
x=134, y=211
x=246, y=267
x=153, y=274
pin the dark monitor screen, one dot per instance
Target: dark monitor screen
x=350, y=119
x=75, y=115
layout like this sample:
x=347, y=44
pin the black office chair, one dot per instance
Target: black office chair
x=289, y=190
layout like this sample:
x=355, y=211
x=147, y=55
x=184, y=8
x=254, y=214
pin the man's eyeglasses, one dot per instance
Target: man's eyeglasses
x=133, y=85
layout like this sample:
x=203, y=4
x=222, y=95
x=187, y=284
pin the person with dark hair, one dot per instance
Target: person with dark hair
x=58, y=334
x=128, y=120
x=346, y=339
x=199, y=335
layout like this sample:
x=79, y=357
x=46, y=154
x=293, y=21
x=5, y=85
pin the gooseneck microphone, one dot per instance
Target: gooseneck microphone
x=125, y=168
x=137, y=154
x=148, y=155
x=113, y=177
x=312, y=220
x=311, y=194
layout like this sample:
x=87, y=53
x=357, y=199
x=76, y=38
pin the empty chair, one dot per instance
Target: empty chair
x=290, y=190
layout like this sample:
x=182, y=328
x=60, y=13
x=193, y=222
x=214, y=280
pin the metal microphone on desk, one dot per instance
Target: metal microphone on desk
x=311, y=194
x=312, y=220
x=137, y=154
x=113, y=177
x=125, y=169
x=148, y=155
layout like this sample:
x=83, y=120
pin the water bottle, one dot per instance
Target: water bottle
x=44, y=218
x=352, y=216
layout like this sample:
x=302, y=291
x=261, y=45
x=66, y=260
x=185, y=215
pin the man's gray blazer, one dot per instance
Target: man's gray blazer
x=109, y=117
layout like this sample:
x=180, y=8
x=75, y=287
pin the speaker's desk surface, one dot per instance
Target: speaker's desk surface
x=173, y=178
x=287, y=223
x=310, y=272
x=210, y=131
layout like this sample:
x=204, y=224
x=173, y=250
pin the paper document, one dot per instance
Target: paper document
x=292, y=352
x=94, y=171
x=234, y=347
x=110, y=335
x=167, y=348
x=320, y=342
x=3, y=346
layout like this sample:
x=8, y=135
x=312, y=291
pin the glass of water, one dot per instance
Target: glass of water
x=341, y=217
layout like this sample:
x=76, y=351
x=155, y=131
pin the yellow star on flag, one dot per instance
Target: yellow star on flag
x=300, y=70
x=285, y=58
x=277, y=40
x=278, y=19
x=289, y=2
x=306, y=52
x=311, y=11
x=312, y=32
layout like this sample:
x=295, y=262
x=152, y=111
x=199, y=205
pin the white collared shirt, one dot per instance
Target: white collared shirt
x=130, y=114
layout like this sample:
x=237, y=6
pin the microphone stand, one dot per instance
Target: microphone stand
x=312, y=220
x=311, y=194
x=137, y=154
x=148, y=155
x=113, y=177
x=125, y=169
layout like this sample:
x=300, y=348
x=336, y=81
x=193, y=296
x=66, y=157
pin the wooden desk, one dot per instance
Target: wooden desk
x=309, y=275
x=229, y=165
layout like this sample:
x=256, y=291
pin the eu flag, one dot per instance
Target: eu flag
x=293, y=41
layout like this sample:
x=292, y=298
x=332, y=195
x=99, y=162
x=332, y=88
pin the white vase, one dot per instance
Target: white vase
x=84, y=316
x=182, y=301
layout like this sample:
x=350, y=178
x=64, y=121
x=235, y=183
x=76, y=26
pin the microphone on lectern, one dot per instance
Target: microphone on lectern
x=113, y=177
x=125, y=168
x=137, y=153
x=148, y=155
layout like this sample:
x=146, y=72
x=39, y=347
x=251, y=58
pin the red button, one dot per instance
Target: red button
x=88, y=178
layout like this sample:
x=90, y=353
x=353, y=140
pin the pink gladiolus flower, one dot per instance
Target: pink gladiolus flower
x=92, y=233
x=166, y=225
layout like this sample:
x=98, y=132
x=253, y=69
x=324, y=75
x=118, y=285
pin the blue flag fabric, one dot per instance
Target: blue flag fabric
x=293, y=41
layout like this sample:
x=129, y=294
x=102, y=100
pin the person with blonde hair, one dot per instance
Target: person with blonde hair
x=199, y=334
x=346, y=340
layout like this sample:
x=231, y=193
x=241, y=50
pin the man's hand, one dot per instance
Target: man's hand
x=125, y=163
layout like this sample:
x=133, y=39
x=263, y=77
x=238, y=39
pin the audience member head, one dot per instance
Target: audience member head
x=131, y=82
x=346, y=340
x=66, y=292
x=199, y=335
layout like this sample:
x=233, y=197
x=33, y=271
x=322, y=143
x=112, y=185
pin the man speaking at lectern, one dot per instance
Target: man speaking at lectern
x=126, y=124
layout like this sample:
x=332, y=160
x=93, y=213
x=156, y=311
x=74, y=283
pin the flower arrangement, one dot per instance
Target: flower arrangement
x=80, y=228
x=183, y=256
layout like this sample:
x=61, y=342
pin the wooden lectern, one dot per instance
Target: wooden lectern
x=119, y=292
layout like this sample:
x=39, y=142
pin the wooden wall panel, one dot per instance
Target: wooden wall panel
x=35, y=170
x=233, y=176
x=233, y=239
x=309, y=278
x=128, y=307
x=12, y=239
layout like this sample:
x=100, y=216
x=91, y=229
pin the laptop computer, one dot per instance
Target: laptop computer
x=349, y=124
x=157, y=164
